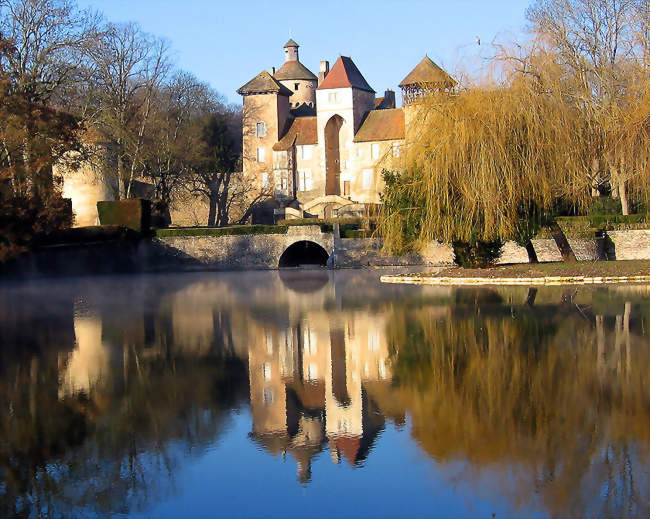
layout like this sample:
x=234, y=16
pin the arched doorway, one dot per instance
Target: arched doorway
x=333, y=155
x=303, y=253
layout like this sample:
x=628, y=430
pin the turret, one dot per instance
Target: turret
x=291, y=51
x=297, y=78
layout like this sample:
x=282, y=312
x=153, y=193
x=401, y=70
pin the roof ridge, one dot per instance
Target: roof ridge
x=345, y=74
x=264, y=82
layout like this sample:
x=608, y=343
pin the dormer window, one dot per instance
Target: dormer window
x=261, y=130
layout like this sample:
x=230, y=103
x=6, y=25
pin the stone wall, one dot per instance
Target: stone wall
x=360, y=252
x=547, y=251
x=253, y=251
x=628, y=245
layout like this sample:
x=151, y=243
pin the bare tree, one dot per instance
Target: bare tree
x=603, y=47
x=128, y=66
x=47, y=39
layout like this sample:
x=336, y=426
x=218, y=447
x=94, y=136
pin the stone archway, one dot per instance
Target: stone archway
x=333, y=155
x=303, y=252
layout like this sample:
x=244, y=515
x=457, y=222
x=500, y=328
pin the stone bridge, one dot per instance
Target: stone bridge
x=300, y=244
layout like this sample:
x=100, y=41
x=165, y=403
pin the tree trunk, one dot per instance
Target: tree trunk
x=532, y=255
x=622, y=191
x=212, y=214
x=562, y=243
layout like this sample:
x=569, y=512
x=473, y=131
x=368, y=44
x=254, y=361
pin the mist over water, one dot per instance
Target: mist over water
x=274, y=394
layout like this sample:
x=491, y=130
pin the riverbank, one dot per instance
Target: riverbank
x=598, y=272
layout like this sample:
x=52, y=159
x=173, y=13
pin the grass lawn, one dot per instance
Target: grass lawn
x=528, y=270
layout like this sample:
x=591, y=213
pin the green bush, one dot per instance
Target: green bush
x=134, y=214
x=605, y=205
x=239, y=230
x=478, y=254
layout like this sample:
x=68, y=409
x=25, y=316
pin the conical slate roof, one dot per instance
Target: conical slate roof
x=428, y=73
x=345, y=74
x=294, y=70
x=264, y=83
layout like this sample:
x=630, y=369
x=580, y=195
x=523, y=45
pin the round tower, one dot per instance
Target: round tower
x=297, y=78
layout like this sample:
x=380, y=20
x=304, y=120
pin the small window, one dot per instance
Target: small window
x=312, y=371
x=305, y=182
x=305, y=152
x=284, y=183
x=261, y=154
x=261, y=130
x=396, y=149
x=333, y=97
x=374, y=150
x=368, y=178
x=268, y=396
x=346, y=188
x=265, y=180
x=296, y=86
x=266, y=371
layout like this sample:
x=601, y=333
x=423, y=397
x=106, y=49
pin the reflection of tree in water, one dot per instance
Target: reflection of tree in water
x=118, y=437
x=549, y=397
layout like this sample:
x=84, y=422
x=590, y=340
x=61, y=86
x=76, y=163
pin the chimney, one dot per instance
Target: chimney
x=324, y=70
x=272, y=71
x=389, y=99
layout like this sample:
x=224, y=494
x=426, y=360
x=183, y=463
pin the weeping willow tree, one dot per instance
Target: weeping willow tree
x=494, y=160
x=480, y=162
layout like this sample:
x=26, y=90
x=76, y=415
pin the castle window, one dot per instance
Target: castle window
x=266, y=371
x=268, y=396
x=265, y=180
x=374, y=150
x=333, y=97
x=261, y=130
x=396, y=149
x=284, y=182
x=368, y=178
x=296, y=86
x=304, y=152
x=305, y=182
x=346, y=188
x=261, y=154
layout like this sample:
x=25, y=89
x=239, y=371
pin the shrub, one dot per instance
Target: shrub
x=24, y=219
x=477, y=254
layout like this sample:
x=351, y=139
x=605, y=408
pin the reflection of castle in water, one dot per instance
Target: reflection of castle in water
x=307, y=386
x=308, y=362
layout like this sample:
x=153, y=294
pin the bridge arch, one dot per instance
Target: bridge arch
x=303, y=252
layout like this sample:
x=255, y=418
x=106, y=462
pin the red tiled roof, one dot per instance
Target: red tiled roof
x=349, y=447
x=345, y=74
x=382, y=125
x=303, y=130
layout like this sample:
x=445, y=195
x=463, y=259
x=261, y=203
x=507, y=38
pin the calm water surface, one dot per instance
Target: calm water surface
x=267, y=394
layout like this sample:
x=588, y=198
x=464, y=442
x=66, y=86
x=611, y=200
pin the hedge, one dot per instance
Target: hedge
x=239, y=230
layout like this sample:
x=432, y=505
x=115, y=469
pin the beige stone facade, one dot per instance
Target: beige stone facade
x=319, y=144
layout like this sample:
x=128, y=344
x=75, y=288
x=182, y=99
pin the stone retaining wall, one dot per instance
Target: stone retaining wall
x=628, y=245
x=547, y=251
x=361, y=252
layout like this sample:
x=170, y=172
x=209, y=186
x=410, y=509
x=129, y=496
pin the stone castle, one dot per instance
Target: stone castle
x=316, y=144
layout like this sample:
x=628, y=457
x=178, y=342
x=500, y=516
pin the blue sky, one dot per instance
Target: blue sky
x=226, y=43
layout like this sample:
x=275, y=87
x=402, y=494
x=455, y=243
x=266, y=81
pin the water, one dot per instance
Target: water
x=322, y=394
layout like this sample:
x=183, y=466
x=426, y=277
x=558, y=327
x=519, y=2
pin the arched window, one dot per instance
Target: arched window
x=261, y=129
